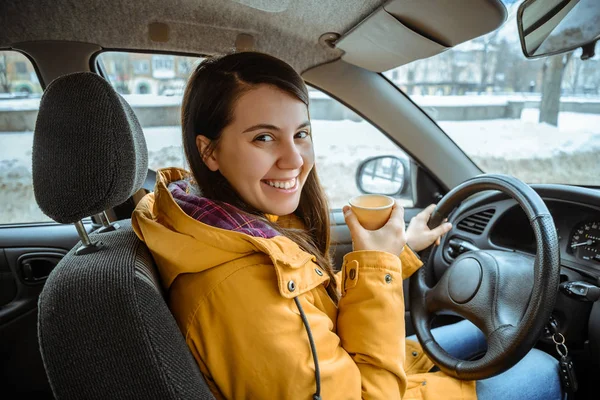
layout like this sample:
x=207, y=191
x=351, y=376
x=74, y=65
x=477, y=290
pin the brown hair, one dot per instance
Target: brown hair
x=207, y=109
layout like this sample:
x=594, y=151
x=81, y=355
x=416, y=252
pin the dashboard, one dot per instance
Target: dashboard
x=491, y=220
x=577, y=226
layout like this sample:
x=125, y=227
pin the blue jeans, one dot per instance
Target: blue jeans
x=534, y=377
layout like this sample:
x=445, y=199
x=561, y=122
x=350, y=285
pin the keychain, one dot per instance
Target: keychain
x=567, y=372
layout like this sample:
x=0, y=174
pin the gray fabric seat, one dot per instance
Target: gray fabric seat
x=104, y=328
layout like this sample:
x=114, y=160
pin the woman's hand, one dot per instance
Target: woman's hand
x=390, y=238
x=418, y=234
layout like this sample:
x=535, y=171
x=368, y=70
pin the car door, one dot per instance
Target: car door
x=28, y=252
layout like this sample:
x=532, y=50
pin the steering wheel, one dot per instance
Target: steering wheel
x=509, y=296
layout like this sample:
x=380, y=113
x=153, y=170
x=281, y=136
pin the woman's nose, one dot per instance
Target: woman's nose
x=291, y=157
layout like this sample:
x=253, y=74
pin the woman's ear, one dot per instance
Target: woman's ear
x=202, y=143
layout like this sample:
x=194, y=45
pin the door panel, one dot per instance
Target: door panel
x=29, y=267
x=28, y=253
x=8, y=286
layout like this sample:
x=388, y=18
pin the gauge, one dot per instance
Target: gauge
x=585, y=241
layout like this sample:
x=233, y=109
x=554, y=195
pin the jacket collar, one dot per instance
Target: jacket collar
x=292, y=264
x=218, y=214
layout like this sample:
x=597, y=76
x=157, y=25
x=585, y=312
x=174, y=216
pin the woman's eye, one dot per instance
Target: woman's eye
x=263, y=138
x=302, y=135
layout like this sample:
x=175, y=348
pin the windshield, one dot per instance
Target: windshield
x=538, y=120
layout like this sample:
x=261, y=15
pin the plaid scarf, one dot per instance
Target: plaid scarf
x=220, y=215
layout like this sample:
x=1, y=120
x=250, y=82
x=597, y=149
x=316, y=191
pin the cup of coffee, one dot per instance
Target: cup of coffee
x=372, y=210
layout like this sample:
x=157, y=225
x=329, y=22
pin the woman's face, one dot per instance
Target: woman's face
x=266, y=153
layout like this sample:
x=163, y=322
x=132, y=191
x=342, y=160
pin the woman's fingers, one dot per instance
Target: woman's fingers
x=355, y=227
x=397, y=212
x=440, y=231
x=428, y=211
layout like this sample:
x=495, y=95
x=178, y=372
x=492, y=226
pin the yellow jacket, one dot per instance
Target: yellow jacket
x=231, y=295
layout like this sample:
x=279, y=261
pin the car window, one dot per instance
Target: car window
x=20, y=93
x=538, y=120
x=342, y=141
x=153, y=85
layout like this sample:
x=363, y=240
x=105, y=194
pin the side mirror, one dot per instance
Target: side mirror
x=554, y=27
x=387, y=175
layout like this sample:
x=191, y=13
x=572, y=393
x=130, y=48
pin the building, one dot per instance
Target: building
x=17, y=75
x=142, y=73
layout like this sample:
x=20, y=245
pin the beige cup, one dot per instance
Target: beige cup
x=372, y=210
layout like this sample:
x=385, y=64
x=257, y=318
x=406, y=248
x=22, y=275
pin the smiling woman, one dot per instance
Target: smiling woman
x=267, y=163
x=253, y=206
x=246, y=133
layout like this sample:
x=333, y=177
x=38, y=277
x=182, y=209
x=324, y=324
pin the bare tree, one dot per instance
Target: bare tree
x=553, y=71
x=486, y=66
x=123, y=70
x=589, y=79
x=4, y=82
x=410, y=79
x=576, y=73
x=453, y=71
x=576, y=66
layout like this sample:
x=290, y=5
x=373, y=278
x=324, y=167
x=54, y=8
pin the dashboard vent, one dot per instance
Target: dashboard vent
x=477, y=222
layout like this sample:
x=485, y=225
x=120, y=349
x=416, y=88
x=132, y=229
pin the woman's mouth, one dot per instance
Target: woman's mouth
x=287, y=186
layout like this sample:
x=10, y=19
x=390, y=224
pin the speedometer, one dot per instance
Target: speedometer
x=585, y=241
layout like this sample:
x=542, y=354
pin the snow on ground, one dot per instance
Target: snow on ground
x=495, y=99
x=533, y=152
x=526, y=138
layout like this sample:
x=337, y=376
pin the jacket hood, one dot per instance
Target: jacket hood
x=180, y=244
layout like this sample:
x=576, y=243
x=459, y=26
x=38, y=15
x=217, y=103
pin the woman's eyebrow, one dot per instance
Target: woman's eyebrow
x=273, y=127
x=262, y=126
x=305, y=124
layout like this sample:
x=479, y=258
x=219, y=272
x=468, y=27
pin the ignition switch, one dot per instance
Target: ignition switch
x=551, y=327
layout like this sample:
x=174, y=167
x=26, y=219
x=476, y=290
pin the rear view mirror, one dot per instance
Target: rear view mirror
x=387, y=175
x=548, y=27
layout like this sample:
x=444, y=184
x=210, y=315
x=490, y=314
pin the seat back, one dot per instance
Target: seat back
x=104, y=328
x=106, y=332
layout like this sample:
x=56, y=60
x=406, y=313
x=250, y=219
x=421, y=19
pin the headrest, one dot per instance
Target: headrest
x=89, y=151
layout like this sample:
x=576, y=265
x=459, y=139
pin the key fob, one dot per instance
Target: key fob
x=567, y=374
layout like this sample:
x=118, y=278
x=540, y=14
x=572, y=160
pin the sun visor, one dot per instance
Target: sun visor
x=403, y=31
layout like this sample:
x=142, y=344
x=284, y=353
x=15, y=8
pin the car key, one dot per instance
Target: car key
x=566, y=369
x=567, y=374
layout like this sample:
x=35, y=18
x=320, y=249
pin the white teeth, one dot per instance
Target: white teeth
x=283, y=185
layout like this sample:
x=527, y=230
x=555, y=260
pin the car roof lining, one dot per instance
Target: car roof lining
x=195, y=26
x=289, y=30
